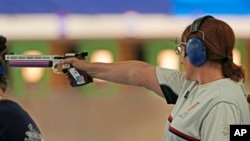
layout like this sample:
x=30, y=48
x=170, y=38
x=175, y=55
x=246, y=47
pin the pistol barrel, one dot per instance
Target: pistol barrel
x=29, y=63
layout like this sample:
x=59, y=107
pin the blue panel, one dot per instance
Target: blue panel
x=83, y=6
x=210, y=6
x=121, y=6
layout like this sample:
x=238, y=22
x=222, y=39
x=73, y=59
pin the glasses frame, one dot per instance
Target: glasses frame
x=178, y=48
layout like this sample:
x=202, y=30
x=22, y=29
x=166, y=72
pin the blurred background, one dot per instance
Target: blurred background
x=109, y=30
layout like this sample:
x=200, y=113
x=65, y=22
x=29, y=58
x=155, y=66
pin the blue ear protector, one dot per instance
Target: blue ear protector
x=195, y=49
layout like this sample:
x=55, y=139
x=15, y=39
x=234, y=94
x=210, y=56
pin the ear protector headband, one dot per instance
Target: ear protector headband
x=195, y=49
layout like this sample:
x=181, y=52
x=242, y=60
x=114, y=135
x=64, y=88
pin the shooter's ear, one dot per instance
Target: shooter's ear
x=3, y=41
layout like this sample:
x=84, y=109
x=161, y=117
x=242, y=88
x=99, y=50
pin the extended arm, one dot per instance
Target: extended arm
x=127, y=72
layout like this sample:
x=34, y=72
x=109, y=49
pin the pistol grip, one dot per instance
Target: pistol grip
x=77, y=77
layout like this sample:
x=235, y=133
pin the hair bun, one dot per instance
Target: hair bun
x=3, y=41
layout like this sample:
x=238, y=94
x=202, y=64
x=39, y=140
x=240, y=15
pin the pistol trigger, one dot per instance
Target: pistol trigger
x=56, y=71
